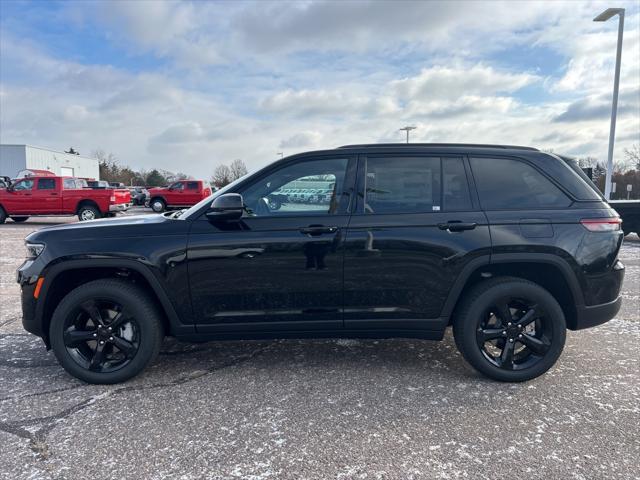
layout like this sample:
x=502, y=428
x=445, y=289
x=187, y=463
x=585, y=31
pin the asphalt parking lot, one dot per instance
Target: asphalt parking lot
x=321, y=408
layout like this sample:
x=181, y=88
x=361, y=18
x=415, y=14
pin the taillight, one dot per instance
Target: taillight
x=601, y=224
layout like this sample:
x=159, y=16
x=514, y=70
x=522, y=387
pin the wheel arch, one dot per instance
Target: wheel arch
x=549, y=271
x=88, y=203
x=67, y=275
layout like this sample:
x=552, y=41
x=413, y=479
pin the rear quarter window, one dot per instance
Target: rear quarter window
x=510, y=184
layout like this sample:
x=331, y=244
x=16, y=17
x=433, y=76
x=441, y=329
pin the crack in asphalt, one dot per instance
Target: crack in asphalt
x=38, y=438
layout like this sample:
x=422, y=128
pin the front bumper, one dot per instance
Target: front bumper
x=119, y=207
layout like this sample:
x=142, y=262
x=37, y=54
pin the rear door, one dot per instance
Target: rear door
x=415, y=229
x=47, y=196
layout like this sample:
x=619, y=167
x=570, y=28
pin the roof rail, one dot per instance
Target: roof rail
x=409, y=145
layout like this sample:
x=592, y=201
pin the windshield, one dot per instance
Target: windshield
x=190, y=211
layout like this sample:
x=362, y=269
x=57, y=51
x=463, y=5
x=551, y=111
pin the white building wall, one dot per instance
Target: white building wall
x=14, y=158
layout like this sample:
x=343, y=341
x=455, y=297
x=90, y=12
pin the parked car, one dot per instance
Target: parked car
x=117, y=185
x=139, y=195
x=50, y=196
x=184, y=193
x=4, y=181
x=98, y=184
x=508, y=245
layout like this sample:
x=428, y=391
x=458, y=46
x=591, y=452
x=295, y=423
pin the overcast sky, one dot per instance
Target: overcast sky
x=185, y=86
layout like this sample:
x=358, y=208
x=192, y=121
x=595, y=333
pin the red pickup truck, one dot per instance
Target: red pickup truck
x=184, y=193
x=48, y=196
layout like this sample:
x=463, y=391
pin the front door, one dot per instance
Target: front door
x=280, y=267
x=19, y=198
x=415, y=228
x=47, y=196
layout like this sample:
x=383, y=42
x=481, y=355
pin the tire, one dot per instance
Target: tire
x=158, y=205
x=3, y=215
x=88, y=212
x=139, y=329
x=535, y=338
x=19, y=219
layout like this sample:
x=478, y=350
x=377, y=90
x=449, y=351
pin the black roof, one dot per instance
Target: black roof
x=439, y=145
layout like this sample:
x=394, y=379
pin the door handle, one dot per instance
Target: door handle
x=457, y=226
x=314, y=230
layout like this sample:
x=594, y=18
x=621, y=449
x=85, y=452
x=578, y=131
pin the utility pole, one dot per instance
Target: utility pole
x=407, y=129
x=603, y=17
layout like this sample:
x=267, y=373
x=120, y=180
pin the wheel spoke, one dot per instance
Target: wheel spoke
x=98, y=355
x=506, y=357
x=489, y=334
x=504, y=313
x=124, y=346
x=536, y=345
x=528, y=317
x=94, y=312
x=73, y=338
x=117, y=321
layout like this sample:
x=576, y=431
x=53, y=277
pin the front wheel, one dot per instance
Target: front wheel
x=510, y=329
x=106, y=331
x=158, y=205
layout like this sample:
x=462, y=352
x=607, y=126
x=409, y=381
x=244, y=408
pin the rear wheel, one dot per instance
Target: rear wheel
x=510, y=329
x=19, y=219
x=88, y=212
x=3, y=215
x=158, y=205
x=106, y=331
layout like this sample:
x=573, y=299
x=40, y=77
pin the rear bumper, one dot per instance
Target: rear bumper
x=120, y=207
x=590, y=316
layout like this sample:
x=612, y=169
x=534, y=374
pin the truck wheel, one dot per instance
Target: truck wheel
x=88, y=212
x=3, y=215
x=19, y=219
x=106, y=331
x=158, y=205
x=510, y=329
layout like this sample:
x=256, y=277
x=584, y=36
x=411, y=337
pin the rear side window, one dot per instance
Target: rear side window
x=47, y=184
x=402, y=185
x=509, y=184
x=455, y=190
x=192, y=185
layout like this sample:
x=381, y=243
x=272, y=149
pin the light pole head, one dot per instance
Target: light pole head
x=608, y=13
x=407, y=129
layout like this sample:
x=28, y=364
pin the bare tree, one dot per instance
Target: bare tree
x=238, y=169
x=221, y=176
x=633, y=155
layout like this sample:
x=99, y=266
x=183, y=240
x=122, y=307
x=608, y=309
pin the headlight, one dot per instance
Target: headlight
x=34, y=249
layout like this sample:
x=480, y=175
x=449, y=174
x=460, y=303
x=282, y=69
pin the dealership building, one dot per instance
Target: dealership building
x=15, y=160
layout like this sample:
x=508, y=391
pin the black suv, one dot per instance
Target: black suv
x=509, y=245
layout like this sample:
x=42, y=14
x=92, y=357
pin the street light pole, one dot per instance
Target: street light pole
x=407, y=129
x=603, y=17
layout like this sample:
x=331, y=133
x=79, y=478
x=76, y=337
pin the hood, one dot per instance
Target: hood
x=126, y=226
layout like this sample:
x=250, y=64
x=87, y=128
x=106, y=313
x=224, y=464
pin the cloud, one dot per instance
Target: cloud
x=302, y=140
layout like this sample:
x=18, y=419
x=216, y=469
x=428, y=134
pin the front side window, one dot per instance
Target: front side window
x=26, y=184
x=506, y=184
x=309, y=187
x=177, y=186
x=47, y=184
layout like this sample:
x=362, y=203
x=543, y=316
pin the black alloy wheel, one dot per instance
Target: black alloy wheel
x=101, y=336
x=106, y=331
x=509, y=329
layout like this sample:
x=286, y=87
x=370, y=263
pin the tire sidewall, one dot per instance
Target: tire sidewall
x=3, y=215
x=135, y=301
x=481, y=303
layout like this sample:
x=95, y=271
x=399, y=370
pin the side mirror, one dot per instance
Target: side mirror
x=226, y=207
